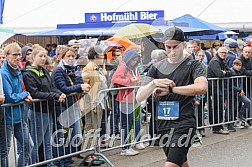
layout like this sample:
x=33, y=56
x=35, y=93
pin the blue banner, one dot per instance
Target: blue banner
x=1, y=10
x=123, y=16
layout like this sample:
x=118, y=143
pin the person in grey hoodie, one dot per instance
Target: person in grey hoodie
x=26, y=56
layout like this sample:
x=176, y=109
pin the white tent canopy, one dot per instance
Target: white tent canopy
x=30, y=16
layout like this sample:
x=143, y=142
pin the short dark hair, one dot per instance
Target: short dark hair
x=54, y=45
x=49, y=45
x=94, y=51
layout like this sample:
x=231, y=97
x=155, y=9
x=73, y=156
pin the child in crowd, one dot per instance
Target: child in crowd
x=238, y=89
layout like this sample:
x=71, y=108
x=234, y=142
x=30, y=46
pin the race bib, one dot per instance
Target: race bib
x=168, y=110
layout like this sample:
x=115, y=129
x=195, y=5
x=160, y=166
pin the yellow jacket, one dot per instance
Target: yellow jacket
x=90, y=75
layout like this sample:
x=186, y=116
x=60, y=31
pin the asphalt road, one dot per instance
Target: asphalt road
x=216, y=151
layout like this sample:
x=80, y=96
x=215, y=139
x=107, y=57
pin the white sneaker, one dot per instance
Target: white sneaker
x=132, y=150
x=140, y=146
x=129, y=152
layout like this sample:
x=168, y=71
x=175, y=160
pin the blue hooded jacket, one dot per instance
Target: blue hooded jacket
x=130, y=55
x=12, y=87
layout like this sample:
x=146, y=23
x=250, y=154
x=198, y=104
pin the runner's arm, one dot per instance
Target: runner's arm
x=198, y=87
x=145, y=91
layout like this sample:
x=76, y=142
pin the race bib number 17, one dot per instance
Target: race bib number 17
x=168, y=110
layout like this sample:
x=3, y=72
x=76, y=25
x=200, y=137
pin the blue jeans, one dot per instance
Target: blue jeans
x=21, y=134
x=128, y=121
x=246, y=105
x=69, y=145
x=26, y=108
x=41, y=130
x=114, y=117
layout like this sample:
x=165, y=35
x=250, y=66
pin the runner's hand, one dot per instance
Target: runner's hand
x=164, y=83
x=160, y=91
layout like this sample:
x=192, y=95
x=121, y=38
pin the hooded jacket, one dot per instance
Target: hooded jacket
x=24, y=51
x=129, y=55
x=39, y=83
x=12, y=87
x=122, y=77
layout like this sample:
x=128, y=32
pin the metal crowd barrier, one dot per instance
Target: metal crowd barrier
x=113, y=121
x=61, y=125
x=220, y=105
x=125, y=115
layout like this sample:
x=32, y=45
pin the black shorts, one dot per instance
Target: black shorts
x=176, y=143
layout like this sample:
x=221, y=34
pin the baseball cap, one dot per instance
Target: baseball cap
x=228, y=41
x=233, y=45
x=174, y=33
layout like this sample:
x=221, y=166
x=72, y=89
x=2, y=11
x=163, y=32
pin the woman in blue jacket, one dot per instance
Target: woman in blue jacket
x=68, y=81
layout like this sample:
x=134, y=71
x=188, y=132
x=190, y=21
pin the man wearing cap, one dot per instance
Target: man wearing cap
x=232, y=53
x=227, y=42
x=175, y=81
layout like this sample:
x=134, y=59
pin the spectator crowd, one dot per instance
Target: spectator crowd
x=53, y=75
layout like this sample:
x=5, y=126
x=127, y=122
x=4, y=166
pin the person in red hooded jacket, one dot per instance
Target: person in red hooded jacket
x=127, y=75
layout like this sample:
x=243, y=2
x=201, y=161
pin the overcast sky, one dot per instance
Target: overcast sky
x=49, y=13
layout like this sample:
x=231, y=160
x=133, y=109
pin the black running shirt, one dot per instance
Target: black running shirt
x=182, y=74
